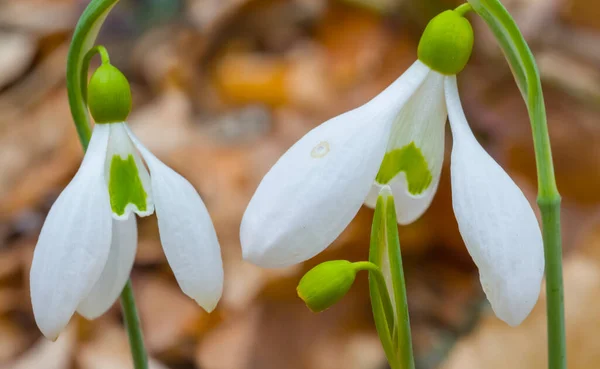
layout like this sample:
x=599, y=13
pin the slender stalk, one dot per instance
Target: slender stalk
x=463, y=9
x=380, y=280
x=527, y=76
x=80, y=52
x=557, y=358
x=134, y=331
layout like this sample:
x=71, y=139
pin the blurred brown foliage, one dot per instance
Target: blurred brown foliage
x=222, y=88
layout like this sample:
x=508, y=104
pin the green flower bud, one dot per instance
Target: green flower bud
x=447, y=43
x=326, y=284
x=109, y=95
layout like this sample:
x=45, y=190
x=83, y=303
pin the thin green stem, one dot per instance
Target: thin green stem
x=525, y=70
x=85, y=66
x=134, y=331
x=557, y=358
x=380, y=280
x=84, y=37
x=463, y=9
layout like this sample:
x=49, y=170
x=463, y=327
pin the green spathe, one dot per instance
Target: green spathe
x=125, y=186
x=109, y=95
x=447, y=43
x=410, y=160
x=326, y=284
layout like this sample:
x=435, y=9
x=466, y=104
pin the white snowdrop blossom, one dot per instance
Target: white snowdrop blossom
x=397, y=139
x=87, y=244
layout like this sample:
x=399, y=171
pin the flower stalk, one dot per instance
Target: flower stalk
x=80, y=53
x=134, y=331
x=527, y=76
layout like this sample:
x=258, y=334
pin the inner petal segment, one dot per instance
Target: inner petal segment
x=410, y=160
x=127, y=178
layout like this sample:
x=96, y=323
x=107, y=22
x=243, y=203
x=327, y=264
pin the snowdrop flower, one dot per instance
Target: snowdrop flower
x=397, y=139
x=87, y=245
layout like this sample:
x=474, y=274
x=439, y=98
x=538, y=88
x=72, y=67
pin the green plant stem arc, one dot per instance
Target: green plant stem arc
x=84, y=37
x=375, y=272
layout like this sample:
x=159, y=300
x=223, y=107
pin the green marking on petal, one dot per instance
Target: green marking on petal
x=125, y=186
x=410, y=160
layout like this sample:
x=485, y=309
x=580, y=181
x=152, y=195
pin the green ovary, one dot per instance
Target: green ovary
x=410, y=160
x=125, y=186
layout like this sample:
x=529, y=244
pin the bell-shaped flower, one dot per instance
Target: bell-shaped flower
x=87, y=245
x=397, y=139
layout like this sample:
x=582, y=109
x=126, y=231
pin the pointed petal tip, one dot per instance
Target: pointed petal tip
x=514, y=304
x=50, y=328
x=207, y=300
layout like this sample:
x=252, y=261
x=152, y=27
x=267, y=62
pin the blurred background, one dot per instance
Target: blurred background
x=221, y=89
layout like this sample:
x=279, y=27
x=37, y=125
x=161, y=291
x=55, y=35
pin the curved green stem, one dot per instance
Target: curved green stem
x=132, y=323
x=83, y=40
x=463, y=9
x=380, y=280
x=527, y=76
x=85, y=66
x=81, y=52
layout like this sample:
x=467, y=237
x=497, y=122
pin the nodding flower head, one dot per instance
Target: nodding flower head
x=87, y=245
x=397, y=139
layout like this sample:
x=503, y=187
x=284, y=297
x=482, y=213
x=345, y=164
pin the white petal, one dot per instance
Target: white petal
x=495, y=220
x=186, y=232
x=316, y=188
x=422, y=122
x=120, y=145
x=116, y=271
x=74, y=242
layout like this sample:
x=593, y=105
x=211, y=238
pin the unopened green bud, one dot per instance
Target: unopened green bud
x=326, y=284
x=447, y=43
x=109, y=95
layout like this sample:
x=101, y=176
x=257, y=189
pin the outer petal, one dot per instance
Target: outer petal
x=496, y=222
x=116, y=271
x=421, y=122
x=315, y=189
x=186, y=232
x=74, y=242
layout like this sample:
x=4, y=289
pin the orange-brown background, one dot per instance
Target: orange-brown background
x=221, y=89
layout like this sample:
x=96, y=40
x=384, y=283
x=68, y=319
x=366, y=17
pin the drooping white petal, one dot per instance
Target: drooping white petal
x=186, y=232
x=315, y=189
x=74, y=242
x=495, y=220
x=418, y=139
x=116, y=271
x=127, y=178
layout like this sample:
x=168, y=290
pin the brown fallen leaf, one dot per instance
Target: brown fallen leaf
x=168, y=316
x=109, y=349
x=17, y=50
x=47, y=354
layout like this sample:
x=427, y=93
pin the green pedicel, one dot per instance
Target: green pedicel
x=125, y=186
x=410, y=160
